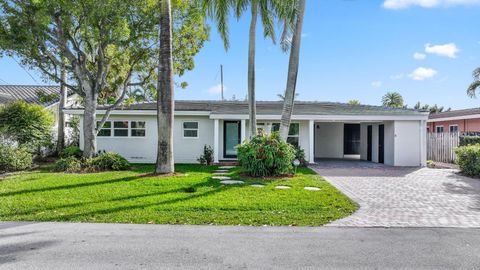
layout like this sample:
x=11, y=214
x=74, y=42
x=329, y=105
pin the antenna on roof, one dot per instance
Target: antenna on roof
x=221, y=79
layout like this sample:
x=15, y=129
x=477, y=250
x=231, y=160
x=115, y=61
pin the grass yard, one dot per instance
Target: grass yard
x=190, y=198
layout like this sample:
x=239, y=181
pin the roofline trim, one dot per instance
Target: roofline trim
x=470, y=116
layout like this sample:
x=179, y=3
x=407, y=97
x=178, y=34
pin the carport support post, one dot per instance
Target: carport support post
x=311, y=142
x=215, y=140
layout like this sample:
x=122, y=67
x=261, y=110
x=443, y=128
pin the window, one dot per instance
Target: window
x=453, y=128
x=440, y=129
x=120, y=128
x=137, y=129
x=106, y=130
x=293, y=132
x=190, y=129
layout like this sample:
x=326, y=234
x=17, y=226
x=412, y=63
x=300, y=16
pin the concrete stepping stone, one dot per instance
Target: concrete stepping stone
x=232, y=182
x=219, y=177
x=257, y=185
x=282, y=187
x=226, y=167
x=312, y=188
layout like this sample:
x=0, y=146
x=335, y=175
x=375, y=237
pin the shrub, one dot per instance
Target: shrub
x=207, y=156
x=28, y=124
x=300, y=155
x=266, y=155
x=469, y=140
x=69, y=164
x=14, y=158
x=71, y=151
x=468, y=159
x=107, y=161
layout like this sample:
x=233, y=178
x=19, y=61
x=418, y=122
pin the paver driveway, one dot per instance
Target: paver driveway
x=404, y=197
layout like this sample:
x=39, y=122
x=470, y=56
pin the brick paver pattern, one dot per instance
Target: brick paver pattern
x=404, y=197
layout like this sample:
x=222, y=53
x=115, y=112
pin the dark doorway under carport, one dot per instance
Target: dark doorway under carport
x=351, y=139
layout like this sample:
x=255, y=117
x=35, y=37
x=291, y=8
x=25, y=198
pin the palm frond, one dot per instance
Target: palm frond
x=267, y=15
x=472, y=89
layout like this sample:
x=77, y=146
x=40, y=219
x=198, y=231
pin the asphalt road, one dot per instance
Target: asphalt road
x=117, y=246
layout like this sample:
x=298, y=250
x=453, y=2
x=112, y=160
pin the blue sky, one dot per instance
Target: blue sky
x=351, y=49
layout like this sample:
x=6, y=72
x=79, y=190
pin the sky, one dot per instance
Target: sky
x=351, y=49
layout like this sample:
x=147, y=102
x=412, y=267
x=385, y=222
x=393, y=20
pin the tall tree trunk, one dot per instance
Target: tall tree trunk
x=89, y=131
x=61, y=115
x=288, y=103
x=165, y=103
x=252, y=108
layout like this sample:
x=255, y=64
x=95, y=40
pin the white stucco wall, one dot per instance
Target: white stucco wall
x=389, y=145
x=144, y=149
x=407, y=143
x=328, y=140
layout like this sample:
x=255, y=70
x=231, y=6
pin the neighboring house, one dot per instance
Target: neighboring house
x=44, y=95
x=467, y=120
x=324, y=130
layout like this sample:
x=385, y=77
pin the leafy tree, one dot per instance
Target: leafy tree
x=472, y=88
x=104, y=46
x=354, y=102
x=392, y=99
x=433, y=109
x=292, y=70
x=28, y=124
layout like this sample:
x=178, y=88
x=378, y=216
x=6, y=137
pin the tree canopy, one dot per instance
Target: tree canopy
x=392, y=99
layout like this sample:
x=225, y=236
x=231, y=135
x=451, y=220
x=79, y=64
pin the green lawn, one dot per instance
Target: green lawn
x=190, y=198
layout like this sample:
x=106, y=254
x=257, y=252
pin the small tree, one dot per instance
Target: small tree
x=28, y=124
x=354, y=102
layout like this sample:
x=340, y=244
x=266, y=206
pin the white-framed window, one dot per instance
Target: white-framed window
x=137, y=129
x=453, y=128
x=122, y=128
x=106, y=130
x=190, y=129
x=293, y=133
x=439, y=129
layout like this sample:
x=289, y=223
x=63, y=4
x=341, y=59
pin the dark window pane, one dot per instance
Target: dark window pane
x=107, y=124
x=275, y=127
x=120, y=132
x=138, y=132
x=104, y=133
x=138, y=124
x=190, y=133
x=120, y=124
x=293, y=141
x=192, y=125
x=294, y=129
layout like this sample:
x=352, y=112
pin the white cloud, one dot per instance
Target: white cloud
x=216, y=89
x=419, y=56
x=402, y=4
x=422, y=73
x=397, y=76
x=449, y=50
x=377, y=84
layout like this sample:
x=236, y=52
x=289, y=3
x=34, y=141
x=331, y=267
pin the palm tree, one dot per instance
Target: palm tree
x=292, y=71
x=392, y=99
x=165, y=102
x=475, y=84
x=354, y=102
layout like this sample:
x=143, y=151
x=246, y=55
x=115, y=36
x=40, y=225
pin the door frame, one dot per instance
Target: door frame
x=225, y=137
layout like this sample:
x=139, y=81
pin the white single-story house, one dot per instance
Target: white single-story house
x=392, y=136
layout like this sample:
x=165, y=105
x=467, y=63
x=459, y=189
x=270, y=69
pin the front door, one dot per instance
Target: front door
x=369, y=143
x=381, y=144
x=231, y=138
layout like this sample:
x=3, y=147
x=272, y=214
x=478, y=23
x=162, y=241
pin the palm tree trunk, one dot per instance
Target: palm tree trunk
x=292, y=73
x=165, y=103
x=252, y=108
x=61, y=114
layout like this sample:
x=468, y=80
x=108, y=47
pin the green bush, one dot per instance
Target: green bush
x=468, y=159
x=71, y=151
x=69, y=164
x=266, y=155
x=300, y=155
x=469, y=140
x=28, y=124
x=14, y=158
x=207, y=156
x=107, y=161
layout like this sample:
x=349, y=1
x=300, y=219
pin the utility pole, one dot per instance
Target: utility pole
x=221, y=79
